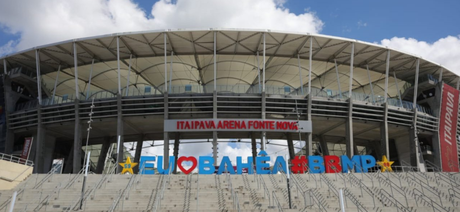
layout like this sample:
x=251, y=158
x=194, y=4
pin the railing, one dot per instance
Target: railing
x=392, y=185
x=423, y=198
x=160, y=197
x=395, y=202
x=15, y=159
x=314, y=197
x=117, y=200
x=277, y=202
x=265, y=188
x=353, y=199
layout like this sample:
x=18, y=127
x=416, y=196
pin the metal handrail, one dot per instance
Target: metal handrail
x=395, y=201
x=277, y=202
x=354, y=200
x=117, y=200
x=160, y=197
x=14, y=159
x=315, y=198
x=392, y=186
x=266, y=191
x=428, y=200
x=362, y=187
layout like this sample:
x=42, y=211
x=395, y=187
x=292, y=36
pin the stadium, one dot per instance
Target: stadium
x=330, y=95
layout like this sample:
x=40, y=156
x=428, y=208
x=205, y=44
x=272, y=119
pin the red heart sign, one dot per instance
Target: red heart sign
x=182, y=159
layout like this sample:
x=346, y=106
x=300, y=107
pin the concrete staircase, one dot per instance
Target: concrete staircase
x=399, y=191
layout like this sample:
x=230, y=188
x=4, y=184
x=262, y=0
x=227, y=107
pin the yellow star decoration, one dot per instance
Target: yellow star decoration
x=128, y=166
x=385, y=164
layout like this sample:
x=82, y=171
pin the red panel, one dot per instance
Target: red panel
x=448, y=129
x=25, y=150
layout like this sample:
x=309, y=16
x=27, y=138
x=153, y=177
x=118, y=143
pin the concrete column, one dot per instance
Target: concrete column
x=384, y=140
x=39, y=139
x=254, y=147
x=139, y=146
x=48, y=150
x=68, y=162
x=77, y=141
x=214, y=148
x=323, y=145
x=165, y=134
x=10, y=102
x=176, y=150
x=102, y=155
x=290, y=145
x=349, y=129
x=120, y=133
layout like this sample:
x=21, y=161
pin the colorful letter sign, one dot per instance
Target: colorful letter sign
x=314, y=164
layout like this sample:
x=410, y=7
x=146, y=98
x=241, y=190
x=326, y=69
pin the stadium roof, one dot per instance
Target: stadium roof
x=237, y=61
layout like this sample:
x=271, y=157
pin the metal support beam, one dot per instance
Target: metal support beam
x=215, y=61
x=118, y=64
x=258, y=72
x=414, y=142
x=384, y=139
x=263, y=74
x=89, y=81
x=387, y=73
x=75, y=63
x=55, y=84
x=165, y=134
x=310, y=67
x=300, y=75
x=170, y=73
x=370, y=83
x=338, y=78
x=397, y=89
x=352, y=58
x=166, y=75
x=39, y=89
x=129, y=74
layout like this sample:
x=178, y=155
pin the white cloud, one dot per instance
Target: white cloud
x=48, y=21
x=361, y=24
x=445, y=51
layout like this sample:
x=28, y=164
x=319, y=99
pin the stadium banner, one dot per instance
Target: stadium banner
x=265, y=125
x=26, y=149
x=448, y=128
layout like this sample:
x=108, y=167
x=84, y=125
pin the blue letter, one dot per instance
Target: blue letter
x=240, y=165
x=315, y=163
x=205, y=165
x=367, y=162
x=144, y=167
x=355, y=163
x=226, y=165
x=279, y=163
x=262, y=167
x=170, y=167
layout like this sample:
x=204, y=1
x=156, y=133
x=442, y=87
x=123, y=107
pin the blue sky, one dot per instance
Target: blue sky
x=370, y=21
x=373, y=21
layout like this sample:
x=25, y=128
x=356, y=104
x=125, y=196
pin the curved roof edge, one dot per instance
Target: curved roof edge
x=225, y=29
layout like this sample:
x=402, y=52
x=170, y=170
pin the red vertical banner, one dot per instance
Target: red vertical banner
x=25, y=150
x=448, y=128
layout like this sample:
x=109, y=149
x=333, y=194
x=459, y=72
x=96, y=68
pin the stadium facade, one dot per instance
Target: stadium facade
x=345, y=97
